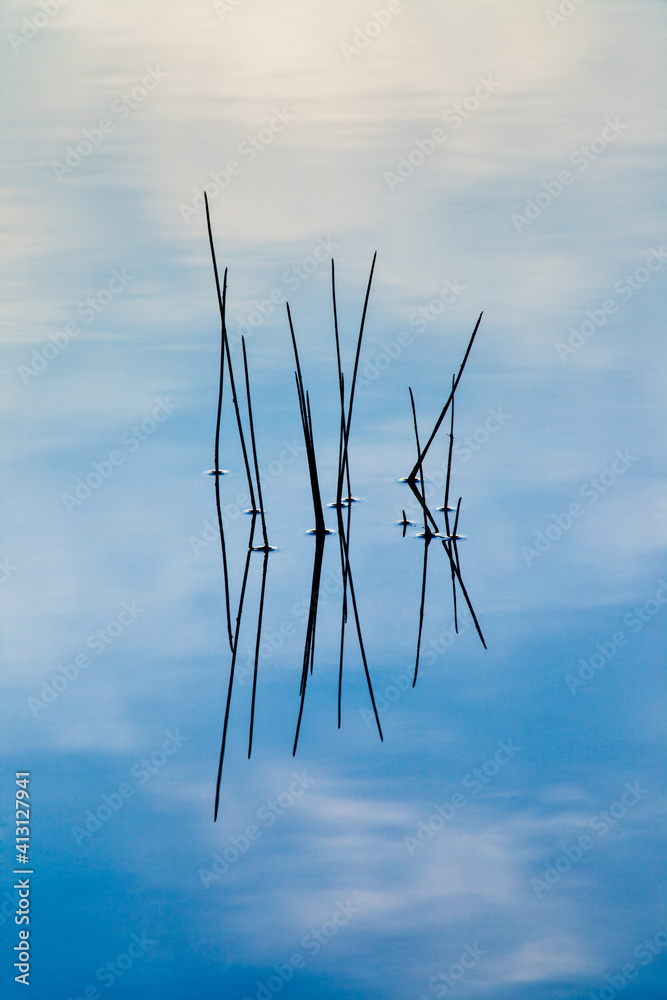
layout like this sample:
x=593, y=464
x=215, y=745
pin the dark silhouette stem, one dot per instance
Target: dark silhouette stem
x=449, y=473
x=413, y=474
x=258, y=643
x=232, y=667
x=222, y=298
x=427, y=538
x=254, y=446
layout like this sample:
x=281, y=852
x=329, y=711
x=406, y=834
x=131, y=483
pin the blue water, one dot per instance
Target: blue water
x=499, y=158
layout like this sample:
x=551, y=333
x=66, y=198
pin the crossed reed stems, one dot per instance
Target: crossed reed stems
x=342, y=505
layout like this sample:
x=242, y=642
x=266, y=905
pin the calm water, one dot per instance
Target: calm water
x=499, y=157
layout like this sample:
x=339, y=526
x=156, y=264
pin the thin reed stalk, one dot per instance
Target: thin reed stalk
x=413, y=474
x=254, y=445
x=447, y=481
x=233, y=665
x=222, y=299
x=427, y=538
x=265, y=566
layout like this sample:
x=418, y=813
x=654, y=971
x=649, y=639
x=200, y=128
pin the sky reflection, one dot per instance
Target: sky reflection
x=442, y=144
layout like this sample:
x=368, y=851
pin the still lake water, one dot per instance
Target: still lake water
x=498, y=156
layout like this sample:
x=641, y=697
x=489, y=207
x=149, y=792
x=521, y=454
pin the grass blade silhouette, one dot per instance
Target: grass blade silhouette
x=233, y=665
x=239, y=423
x=306, y=420
x=413, y=474
x=424, y=506
x=266, y=547
x=309, y=646
x=356, y=369
x=427, y=538
x=265, y=566
x=357, y=621
x=454, y=536
x=222, y=299
x=339, y=495
x=320, y=530
x=344, y=477
x=449, y=461
x=254, y=446
x=363, y=653
x=453, y=564
x=447, y=481
x=225, y=340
